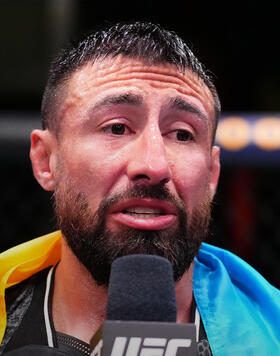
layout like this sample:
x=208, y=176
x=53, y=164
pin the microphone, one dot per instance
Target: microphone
x=141, y=312
x=141, y=287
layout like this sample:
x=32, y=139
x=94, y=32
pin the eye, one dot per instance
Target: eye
x=183, y=135
x=115, y=129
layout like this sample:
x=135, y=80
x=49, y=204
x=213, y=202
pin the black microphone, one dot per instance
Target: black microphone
x=141, y=287
x=141, y=312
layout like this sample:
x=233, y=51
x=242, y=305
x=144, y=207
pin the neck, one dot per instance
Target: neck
x=79, y=304
x=184, y=296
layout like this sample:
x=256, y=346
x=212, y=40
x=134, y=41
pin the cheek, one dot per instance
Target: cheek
x=191, y=178
x=93, y=169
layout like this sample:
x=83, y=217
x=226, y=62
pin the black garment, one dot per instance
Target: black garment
x=26, y=321
x=36, y=350
x=30, y=326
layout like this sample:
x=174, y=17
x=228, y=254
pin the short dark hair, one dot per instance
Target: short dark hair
x=146, y=41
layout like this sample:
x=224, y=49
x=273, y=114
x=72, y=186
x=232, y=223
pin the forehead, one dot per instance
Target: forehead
x=94, y=81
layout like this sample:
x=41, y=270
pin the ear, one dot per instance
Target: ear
x=42, y=155
x=215, y=170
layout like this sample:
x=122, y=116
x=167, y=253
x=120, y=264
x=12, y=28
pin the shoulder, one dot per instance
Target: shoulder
x=18, y=299
x=219, y=262
x=22, y=261
x=17, y=295
x=234, y=299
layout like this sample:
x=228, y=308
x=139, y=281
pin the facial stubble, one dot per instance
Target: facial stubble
x=96, y=246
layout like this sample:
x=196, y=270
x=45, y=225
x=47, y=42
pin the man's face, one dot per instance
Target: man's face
x=134, y=163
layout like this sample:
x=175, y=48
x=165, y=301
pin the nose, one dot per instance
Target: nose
x=148, y=161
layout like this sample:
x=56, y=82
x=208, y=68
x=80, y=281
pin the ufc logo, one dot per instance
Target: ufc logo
x=149, y=346
x=98, y=349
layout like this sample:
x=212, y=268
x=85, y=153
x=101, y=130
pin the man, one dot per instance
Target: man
x=129, y=120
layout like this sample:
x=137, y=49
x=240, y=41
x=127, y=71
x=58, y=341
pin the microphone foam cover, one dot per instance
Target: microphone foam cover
x=141, y=288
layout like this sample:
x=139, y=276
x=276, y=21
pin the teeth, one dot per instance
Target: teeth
x=143, y=210
x=143, y=215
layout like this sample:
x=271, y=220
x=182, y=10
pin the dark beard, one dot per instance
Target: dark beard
x=97, y=247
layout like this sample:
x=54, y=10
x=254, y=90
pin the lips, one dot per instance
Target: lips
x=144, y=214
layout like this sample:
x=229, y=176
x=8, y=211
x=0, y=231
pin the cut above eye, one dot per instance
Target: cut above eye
x=183, y=135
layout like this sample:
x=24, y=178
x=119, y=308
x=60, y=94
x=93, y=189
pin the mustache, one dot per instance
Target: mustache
x=158, y=191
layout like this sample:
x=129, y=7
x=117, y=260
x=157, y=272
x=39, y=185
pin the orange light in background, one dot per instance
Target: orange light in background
x=233, y=133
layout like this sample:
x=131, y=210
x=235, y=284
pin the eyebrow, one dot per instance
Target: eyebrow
x=181, y=104
x=126, y=98
x=175, y=103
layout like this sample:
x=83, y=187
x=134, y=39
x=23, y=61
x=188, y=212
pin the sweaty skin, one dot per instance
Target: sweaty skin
x=113, y=73
x=150, y=125
x=123, y=121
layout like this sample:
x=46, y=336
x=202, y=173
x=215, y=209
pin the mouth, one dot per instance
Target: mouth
x=144, y=214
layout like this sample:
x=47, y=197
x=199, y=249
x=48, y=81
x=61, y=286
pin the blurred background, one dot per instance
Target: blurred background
x=238, y=43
